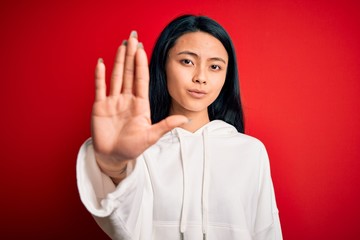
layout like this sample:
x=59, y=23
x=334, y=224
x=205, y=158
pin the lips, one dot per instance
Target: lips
x=196, y=93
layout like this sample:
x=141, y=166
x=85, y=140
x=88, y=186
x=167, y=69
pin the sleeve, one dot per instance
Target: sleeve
x=116, y=209
x=267, y=223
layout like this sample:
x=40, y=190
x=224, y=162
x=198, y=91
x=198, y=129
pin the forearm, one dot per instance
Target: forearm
x=117, y=208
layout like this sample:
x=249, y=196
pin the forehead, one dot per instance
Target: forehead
x=201, y=43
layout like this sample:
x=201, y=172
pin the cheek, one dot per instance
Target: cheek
x=176, y=79
x=169, y=79
x=173, y=85
x=219, y=84
x=217, y=89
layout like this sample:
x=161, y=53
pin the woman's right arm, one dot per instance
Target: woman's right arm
x=121, y=132
x=121, y=124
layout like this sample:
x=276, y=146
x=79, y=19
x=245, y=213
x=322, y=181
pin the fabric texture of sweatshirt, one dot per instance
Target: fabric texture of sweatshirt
x=211, y=184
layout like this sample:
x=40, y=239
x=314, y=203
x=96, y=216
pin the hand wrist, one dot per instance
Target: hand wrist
x=117, y=172
x=120, y=176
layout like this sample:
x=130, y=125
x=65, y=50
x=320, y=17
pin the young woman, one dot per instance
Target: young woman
x=177, y=166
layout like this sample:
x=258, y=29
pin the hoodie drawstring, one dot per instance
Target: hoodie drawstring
x=184, y=200
x=205, y=187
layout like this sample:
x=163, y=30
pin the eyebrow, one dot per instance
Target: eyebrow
x=197, y=56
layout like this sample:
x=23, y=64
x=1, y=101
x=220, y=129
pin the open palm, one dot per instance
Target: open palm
x=121, y=123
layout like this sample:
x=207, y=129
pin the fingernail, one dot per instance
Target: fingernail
x=100, y=60
x=124, y=42
x=134, y=34
x=140, y=45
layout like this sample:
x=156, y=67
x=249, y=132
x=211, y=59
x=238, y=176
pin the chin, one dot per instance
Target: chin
x=196, y=109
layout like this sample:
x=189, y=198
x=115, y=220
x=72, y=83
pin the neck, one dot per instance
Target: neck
x=197, y=120
x=194, y=124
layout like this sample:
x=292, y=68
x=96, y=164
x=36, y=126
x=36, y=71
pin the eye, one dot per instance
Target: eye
x=187, y=62
x=215, y=67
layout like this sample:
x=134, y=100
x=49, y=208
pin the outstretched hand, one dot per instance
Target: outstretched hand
x=121, y=123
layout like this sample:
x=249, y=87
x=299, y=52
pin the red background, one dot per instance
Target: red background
x=299, y=66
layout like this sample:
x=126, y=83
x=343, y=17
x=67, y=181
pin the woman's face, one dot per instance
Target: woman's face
x=195, y=70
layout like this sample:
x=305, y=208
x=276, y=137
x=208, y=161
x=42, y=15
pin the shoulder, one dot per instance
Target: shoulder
x=251, y=140
x=226, y=132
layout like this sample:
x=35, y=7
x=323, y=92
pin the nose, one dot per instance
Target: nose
x=199, y=77
x=199, y=81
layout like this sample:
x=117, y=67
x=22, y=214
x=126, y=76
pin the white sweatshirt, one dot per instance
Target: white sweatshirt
x=211, y=184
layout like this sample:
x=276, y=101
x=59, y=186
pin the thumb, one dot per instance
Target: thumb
x=159, y=129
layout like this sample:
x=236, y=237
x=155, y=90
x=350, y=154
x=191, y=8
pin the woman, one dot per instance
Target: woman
x=193, y=174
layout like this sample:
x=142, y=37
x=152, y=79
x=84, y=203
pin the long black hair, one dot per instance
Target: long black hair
x=227, y=106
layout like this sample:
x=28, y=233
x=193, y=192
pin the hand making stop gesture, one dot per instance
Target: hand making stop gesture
x=121, y=123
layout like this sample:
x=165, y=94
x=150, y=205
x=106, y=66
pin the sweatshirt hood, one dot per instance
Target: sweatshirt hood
x=216, y=128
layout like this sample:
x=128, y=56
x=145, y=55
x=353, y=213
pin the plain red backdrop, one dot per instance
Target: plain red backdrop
x=300, y=81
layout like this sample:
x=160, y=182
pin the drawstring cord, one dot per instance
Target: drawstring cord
x=205, y=188
x=184, y=202
x=205, y=185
